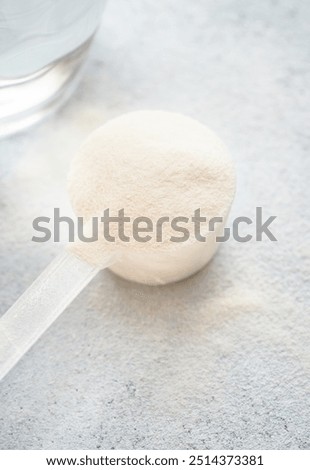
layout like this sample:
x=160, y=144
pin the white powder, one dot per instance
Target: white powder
x=152, y=164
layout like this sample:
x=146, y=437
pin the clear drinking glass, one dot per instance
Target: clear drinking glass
x=42, y=46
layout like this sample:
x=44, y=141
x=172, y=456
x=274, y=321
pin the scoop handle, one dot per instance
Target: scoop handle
x=23, y=324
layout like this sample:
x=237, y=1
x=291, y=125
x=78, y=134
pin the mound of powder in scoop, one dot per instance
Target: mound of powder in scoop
x=152, y=164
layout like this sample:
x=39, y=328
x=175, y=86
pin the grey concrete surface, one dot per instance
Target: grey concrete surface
x=220, y=360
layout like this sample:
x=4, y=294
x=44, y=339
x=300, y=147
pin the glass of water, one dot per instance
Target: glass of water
x=43, y=44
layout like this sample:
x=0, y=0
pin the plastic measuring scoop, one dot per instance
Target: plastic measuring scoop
x=40, y=305
x=142, y=161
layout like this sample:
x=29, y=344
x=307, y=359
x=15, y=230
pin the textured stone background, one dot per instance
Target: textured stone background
x=220, y=360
